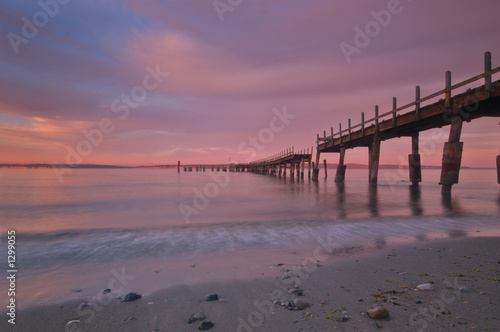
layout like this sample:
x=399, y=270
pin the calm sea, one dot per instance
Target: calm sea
x=70, y=234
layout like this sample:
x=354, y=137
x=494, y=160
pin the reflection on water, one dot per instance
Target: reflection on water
x=373, y=200
x=415, y=202
x=451, y=206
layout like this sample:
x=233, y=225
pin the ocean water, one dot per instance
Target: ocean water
x=71, y=234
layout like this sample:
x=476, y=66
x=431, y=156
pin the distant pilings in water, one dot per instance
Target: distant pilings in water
x=201, y=168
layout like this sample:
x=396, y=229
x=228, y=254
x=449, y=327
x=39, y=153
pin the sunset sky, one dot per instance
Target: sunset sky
x=132, y=82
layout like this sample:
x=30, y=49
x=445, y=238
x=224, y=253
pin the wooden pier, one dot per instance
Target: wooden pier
x=280, y=162
x=409, y=120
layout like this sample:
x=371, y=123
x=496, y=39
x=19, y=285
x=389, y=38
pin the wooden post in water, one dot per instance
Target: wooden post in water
x=498, y=169
x=302, y=162
x=316, y=166
x=179, y=166
x=326, y=169
x=452, y=156
x=374, y=152
x=414, y=166
x=340, y=176
x=310, y=157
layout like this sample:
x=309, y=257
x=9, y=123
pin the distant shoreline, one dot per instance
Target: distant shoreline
x=167, y=166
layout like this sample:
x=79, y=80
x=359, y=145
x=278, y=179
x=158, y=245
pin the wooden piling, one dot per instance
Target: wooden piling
x=302, y=162
x=498, y=169
x=340, y=175
x=316, y=166
x=452, y=156
x=414, y=166
x=374, y=157
x=178, y=166
x=326, y=168
x=309, y=168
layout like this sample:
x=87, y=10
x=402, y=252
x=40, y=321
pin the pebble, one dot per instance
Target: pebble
x=131, y=297
x=463, y=290
x=342, y=319
x=378, y=312
x=196, y=317
x=106, y=291
x=425, y=287
x=199, y=316
x=297, y=291
x=211, y=297
x=301, y=304
x=205, y=326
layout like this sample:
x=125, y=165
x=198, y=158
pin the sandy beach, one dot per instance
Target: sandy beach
x=339, y=284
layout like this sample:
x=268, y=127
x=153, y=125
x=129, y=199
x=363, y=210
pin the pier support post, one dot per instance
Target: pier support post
x=326, y=168
x=309, y=168
x=179, y=166
x=316, y=166
x=452, y=156
x=374, y=157
x=302, y=163
x=292, y=170
x=414, y=166
x=498, y=169
x=340, y=176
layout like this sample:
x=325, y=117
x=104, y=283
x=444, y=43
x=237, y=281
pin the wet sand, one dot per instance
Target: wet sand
x=336, y=282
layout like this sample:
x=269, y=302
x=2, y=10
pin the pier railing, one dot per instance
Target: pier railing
x=279, y=157
x=486, y=75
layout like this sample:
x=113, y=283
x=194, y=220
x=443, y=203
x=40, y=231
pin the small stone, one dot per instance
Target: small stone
x=205, y=326
x=130, y=318
x=301, y=304
x=277, y=302
x=131, y=297
x=211, y=297
x=199, y=316
x=323, y=302
x=378, y=312
x=418, y=302
x=425, y=287
x=309, y=314
x=191, y=320
x=106, y=291
x=289, y=305
x=297, y=291
x=379, y=325
x=342, y=319
x=463, y=290
x=84, y=305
